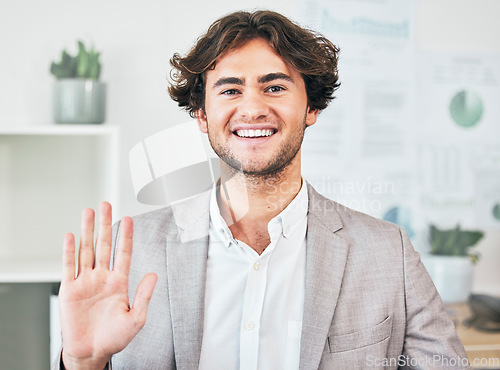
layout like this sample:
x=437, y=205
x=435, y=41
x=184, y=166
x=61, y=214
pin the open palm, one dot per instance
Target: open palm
x=96, y=318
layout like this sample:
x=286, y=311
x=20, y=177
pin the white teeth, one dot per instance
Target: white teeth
x=254, y=133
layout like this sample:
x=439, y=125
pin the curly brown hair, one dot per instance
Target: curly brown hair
x=314, y=56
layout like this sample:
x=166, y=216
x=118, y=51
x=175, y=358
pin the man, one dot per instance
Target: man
x=262, y=272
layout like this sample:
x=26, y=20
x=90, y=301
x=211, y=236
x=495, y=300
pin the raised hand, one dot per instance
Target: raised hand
x=96, y=318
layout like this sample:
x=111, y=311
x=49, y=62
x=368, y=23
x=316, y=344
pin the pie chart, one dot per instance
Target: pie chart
x=466, y=108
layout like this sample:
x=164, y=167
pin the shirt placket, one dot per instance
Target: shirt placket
x=252, y=309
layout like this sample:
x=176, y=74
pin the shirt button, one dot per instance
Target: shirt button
x=249, y=325
x=256, y=266
x=287, y=230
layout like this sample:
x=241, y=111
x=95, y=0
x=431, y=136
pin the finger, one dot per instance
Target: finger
x=124, y=252
x=142, y=298
x=86, y=252
x=68, y=260
x=104, y=236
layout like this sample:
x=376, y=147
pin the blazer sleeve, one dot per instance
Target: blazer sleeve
x=430, y=340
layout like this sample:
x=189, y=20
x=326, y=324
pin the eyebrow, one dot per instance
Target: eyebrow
x=228, y=81
x=261, y=79
x=274, y=76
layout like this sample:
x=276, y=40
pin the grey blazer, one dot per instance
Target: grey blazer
x=369, y=302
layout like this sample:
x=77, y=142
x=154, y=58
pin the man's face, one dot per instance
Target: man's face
x=255, y=110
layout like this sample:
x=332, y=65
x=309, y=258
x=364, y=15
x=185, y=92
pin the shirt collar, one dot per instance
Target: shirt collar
x=294, y=212
x=217, y=220
x=289, y=218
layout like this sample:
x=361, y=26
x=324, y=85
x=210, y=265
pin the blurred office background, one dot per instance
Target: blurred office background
x=419, y=62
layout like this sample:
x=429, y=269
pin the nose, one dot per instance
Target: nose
x=253, y=106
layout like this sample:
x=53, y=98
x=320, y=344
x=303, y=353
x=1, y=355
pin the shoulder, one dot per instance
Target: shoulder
x=351, y=224
x=153, y=219
x=148, y=220
x=193, y=212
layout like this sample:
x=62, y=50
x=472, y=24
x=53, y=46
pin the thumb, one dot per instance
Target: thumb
x=142, y=298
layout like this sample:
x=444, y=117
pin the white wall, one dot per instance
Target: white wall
x=459, y=25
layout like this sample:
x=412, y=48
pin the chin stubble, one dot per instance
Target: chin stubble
x=275, y=169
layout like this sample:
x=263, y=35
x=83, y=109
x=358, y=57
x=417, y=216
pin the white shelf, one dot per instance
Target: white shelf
x=48, y=174
x=30, y=270
x=60, y=130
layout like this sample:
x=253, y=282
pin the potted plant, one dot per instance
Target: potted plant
x=79, y=96
x=450, y=262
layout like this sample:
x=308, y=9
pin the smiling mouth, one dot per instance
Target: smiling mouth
x=255, y=133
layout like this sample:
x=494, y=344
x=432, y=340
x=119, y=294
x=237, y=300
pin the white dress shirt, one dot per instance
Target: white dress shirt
x=254, y=303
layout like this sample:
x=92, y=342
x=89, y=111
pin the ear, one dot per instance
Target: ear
x=201, y=116
x=311, y=116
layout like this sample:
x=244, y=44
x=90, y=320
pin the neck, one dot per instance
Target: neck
x=247, y=202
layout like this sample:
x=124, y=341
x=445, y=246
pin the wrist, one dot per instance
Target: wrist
x=69, y=362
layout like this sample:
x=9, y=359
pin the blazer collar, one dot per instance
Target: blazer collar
x=187, y=253
x=324, y=210
x=326, y=257
x=192, y=216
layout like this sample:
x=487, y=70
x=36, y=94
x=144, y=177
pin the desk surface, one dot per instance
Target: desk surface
x=483, y=349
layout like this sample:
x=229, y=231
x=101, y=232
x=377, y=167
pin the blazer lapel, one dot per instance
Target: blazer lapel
x=187, y=252
x=326, y=256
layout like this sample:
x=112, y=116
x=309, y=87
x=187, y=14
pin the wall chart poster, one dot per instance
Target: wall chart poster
x=459, y=140
x=361, y=152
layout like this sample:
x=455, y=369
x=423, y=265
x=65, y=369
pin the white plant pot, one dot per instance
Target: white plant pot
x=452, y=276
x=79, y=101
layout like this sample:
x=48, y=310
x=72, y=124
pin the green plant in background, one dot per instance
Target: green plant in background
x=454, y=242
x=84, y=65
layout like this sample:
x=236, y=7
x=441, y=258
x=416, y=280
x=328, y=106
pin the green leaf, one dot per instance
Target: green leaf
x=83, y=61
x=65, y=68
x=84, y=65
x=94, y=66
x=453, y=242
x=474, y=257
x=470, y=238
